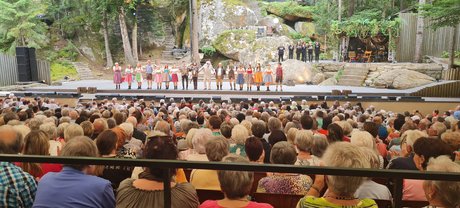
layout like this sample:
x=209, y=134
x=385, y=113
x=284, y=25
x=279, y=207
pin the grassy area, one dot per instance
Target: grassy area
x=60, y=69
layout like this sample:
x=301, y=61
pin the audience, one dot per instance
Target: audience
x=147, y=191
x=236, y=186
x=17, y=187
x=341, y=189
x=261, y=132
x=442, y=193
x=284, y=183
x=74, y=186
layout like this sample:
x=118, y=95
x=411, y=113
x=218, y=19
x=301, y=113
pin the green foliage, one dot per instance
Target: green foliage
x=20, y=25
x=60, y=69
x=443, y=13
x=238, y=38
x=208, y=50
x=69, y=52
x=295, y=35
x=445, y=54
x=291, y=8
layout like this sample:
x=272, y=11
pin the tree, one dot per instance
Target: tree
x=20, y=25
x=124, y=36
x=444, y=13
x=419, y=34
x=194, y=38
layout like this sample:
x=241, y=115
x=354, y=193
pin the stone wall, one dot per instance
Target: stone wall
x=432, y=70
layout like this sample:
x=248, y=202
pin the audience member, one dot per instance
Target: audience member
x=442, y=193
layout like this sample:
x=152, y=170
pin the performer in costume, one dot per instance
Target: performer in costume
x=149, y=72
x=258, y=76
x=240, y=76
x=268, y=77
x=291, y=51
x=317, y=51
x=166, y=78
x=207, y=72
x=220, y=73
x=298, y=50
x=195, y=71
x=174, y=77
x=304, y=52
x=129, y=75
x=310, y=52
x=231, y=76
x=249, y=78
x=279, y=77
x=184, y=71
x=158, y=76
x=117, y=76
x=139, y=77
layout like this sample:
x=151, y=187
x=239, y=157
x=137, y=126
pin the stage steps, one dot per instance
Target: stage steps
x=84, y=72
x=353, y=75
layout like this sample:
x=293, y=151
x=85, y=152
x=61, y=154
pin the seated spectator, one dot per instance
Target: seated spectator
x=258, y=129
x=442, y=193
x=226, y=130
x=17, y=187
x=36, y=143
x=320, y=145
x=199, y=140
x=369, y=188
x=342, y=189
x=424, y=149
x=335, y=133
x=291, y=134
x=131, y=143
x=51, y=131
x=304, y=145
x=365, y=139
x=88, y=128
x=284, y=183
x=136, y=133
x=106, y=143
x=276, y=136
x=216, y=149
x=99, y=125
x=239, y=135
x=214, y=124
x=254, y=150
x=236, y=186
x=73, y=186
x=406, y=159
x=73, y=130
x=147, y=191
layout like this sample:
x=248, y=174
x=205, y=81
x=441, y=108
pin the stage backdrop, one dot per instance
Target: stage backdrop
x=434, y=41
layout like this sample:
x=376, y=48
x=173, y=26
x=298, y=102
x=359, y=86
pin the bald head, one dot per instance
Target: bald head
x=10, y=140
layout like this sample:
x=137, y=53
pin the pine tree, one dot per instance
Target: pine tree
x=20, y=25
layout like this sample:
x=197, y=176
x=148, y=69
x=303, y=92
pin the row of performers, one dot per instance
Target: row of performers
x=236, y=75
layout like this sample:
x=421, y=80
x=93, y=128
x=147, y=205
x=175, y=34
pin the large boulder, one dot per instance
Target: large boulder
x=289, y=10
x=242, y=46
x=305, y=28
x=401, y=79
x=220, y=15
x=230, y=43
x=297, y=71
x=265, y=50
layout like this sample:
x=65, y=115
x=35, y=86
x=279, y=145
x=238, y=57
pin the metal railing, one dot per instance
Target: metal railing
x=396, y=175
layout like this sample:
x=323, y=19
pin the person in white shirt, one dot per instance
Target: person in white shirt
x=207, y=71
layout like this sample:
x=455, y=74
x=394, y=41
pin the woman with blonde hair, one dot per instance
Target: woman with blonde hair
x=268, y=77
x=442, y=193
x=239, y=135
x=258, y=76
x=138, y=77
x=36, y=143
x=166, y=78
x=129, y=75
x=158, y=77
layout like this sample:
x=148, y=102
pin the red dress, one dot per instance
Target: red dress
x=46, y=168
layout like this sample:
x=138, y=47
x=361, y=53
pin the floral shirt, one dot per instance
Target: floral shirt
x=285, y=184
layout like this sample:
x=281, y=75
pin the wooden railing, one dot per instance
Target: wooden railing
x=451, y=89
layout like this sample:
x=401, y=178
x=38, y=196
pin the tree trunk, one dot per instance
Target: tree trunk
x=134, y=39
x=351, y=7
x=340, y=11
x=194, y=37
x=108, y=54
x=419, y=35
x=124, y=36
x=452, y=48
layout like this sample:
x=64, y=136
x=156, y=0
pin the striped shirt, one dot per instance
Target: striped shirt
x=17, y=188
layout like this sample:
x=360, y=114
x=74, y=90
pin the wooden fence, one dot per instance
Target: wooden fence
x=443, y=90
x=451, y=74
x=9, y=70
x=434, y=41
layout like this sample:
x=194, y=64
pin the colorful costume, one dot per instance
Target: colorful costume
x=139, y=77
x=117, y=75
x=128, y=75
